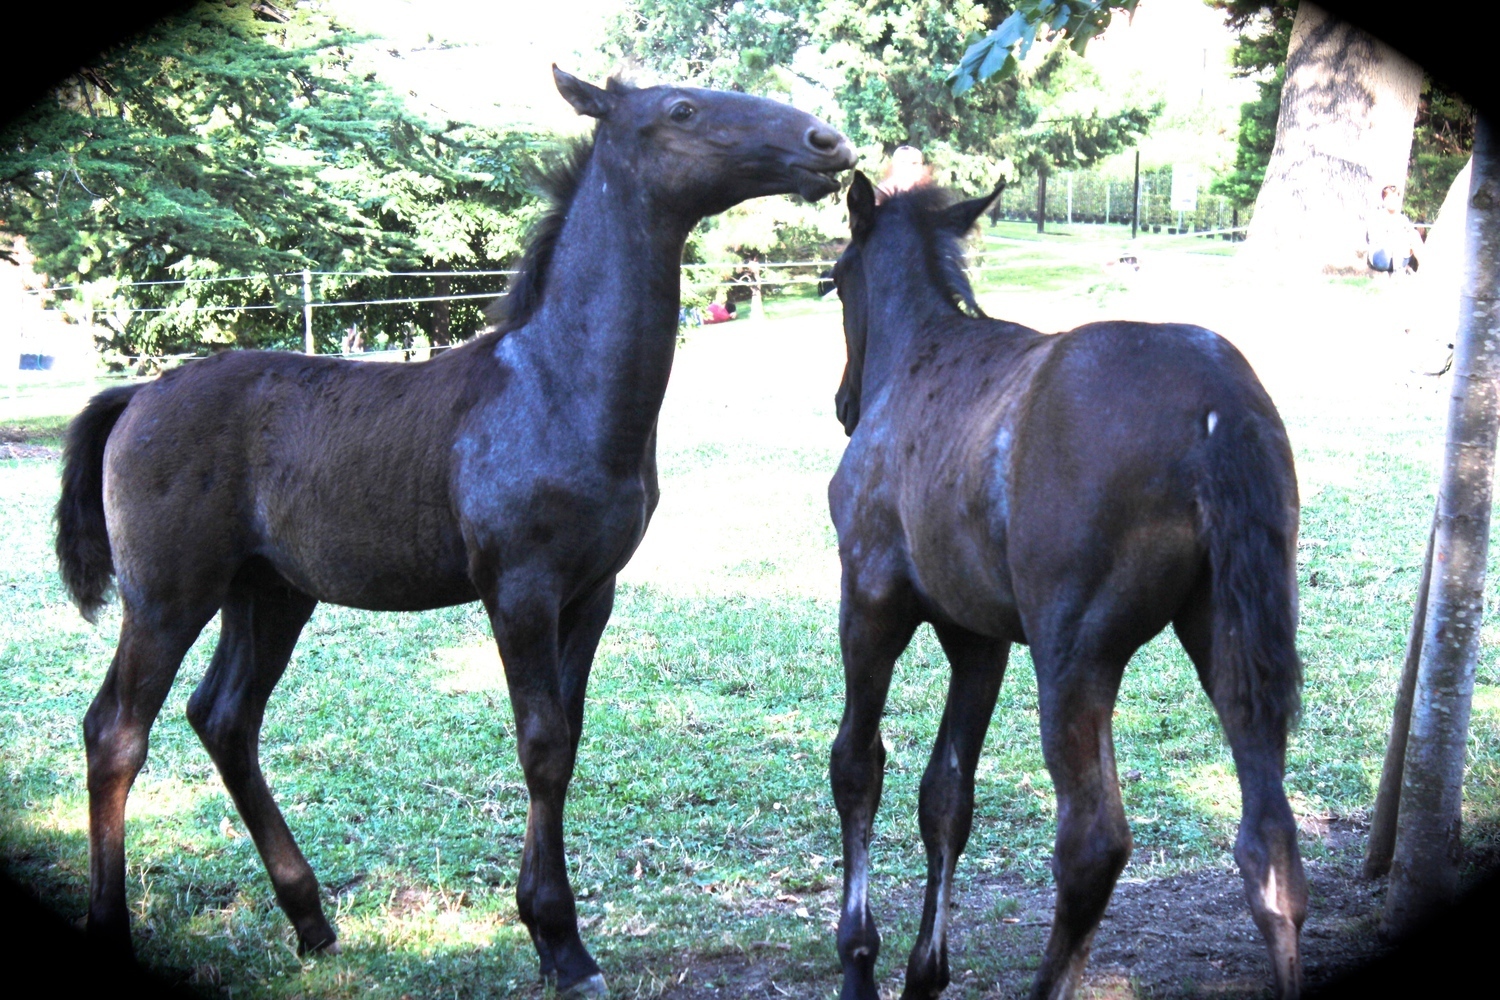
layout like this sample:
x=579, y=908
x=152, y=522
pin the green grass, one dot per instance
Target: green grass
x=700, y=821
x=34, y=430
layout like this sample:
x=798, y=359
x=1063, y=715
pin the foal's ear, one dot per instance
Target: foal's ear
x=861, y=207
x=586, y=98
x=960, y=218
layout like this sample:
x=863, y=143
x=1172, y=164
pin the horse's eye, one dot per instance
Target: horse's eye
x=681, y=112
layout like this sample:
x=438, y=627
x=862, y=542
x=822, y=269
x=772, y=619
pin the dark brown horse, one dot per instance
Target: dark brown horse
x=518, y=470
x=1077, y=493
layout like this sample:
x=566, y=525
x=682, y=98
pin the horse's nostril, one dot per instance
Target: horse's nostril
x=824, y=140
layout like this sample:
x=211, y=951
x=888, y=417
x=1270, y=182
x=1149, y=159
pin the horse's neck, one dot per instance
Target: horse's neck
x=607, y=324
x=901, y=314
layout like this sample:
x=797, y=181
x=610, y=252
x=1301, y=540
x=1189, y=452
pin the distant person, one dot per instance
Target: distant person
x=907, y=170
x=1391, y=241
x=716, y=313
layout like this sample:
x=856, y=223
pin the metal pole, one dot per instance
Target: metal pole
x=1041, y=200
x=1135, y=207
x=757, y=304
x=1106, y=202
x=308, y=347
x=1070, y=197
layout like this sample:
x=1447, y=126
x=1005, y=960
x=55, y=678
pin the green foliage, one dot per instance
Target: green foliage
x=218, y=145
x=1265, y=31
x=999, y=53
x=892, y=58
x=887, y=66
x=1441, y=143
x=743, y=45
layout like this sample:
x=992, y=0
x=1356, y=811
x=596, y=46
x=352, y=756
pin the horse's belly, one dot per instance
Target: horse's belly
x=970, y=586
x=410, y=566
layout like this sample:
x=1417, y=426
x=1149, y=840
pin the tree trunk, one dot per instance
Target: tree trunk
x=1424, y=872
x=1382, y=842
x=1344, y=132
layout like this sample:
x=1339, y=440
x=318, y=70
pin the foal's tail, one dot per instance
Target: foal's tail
x=83, y=554
x=1248, y=503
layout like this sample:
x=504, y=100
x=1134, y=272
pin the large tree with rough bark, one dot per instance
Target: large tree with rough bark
x=1344, y=131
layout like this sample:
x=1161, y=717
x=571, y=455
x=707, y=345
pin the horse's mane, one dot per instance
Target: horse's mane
x=560, y=182
x=943, y=249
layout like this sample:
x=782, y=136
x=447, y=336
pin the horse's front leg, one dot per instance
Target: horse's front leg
x=872, y=632
x=947, y=796
x=526, y=629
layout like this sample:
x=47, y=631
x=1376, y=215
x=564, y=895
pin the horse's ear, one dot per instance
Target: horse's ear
x=586, y=98
x=960, y=218
x=861, y=207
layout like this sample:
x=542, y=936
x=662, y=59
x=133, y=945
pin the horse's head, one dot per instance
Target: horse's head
x=922, y=228
x=702, y=151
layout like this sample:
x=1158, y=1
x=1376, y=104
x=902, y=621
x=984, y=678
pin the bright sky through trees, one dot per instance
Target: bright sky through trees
x=489, y=62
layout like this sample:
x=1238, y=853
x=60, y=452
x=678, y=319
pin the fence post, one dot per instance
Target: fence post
x=757, y=305
x=308, y=346
x=1106, y=201
x=1135, y=204
x=1070, y=197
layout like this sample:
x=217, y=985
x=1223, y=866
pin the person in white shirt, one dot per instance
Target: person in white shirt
x=1391, y=240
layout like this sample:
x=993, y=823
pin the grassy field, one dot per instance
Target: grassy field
x=700, y=822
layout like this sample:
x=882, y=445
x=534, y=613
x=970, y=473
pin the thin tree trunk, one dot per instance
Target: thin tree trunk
x=1429, y=851
x=1382, y=841
x=1344, y=132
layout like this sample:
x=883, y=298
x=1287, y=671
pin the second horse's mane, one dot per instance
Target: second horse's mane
x=924, y=206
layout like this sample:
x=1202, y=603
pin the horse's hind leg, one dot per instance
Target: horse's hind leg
x=116, y=729
x=1266, y=847
x=873, y=633
x=1077, y=697
x=259, y=628
x=947, y=796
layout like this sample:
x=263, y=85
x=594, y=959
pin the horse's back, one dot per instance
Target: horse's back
x=1014, y=475
x=316, y=464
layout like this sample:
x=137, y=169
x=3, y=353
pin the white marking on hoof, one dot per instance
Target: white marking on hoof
x=592, y=988
x=1212, y=421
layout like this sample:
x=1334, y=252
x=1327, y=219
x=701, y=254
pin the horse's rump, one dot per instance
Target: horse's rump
x=83, y=551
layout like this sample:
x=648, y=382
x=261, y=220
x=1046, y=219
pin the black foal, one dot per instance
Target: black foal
x=1077, y=493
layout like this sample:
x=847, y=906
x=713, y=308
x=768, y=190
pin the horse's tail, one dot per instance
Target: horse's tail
x=83, y=554
x=1248, y=500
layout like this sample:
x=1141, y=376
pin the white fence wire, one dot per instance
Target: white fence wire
x=757, y=276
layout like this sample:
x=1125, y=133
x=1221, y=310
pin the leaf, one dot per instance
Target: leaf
x=994, y=61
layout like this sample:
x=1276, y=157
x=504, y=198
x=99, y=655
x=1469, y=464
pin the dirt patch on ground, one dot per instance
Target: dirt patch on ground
x=21, y=442
x=18, y=449
x=1189, y=935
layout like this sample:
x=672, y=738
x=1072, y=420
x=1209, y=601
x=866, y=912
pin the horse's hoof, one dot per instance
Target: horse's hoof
x=328, y=946
x=588, y=988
